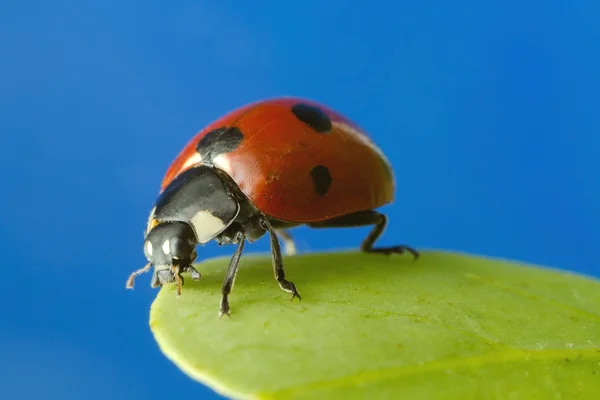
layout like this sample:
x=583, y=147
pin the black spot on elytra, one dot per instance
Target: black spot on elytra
x=321, y=179
x=219, y=141
x=313, y=117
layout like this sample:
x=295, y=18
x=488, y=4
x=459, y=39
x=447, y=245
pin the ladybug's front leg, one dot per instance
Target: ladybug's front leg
x=240, y=238
x=362, y=218
x=278, y=262
x=129, y=283
x=190, y=268
x=193, y=272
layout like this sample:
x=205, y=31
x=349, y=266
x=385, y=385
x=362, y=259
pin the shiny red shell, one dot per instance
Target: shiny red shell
x=272, y=164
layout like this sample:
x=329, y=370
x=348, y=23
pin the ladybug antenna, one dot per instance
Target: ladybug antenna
x=129, y=284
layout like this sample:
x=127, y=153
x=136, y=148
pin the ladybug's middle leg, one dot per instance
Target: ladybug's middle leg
x=364, y=218
x=278, y=262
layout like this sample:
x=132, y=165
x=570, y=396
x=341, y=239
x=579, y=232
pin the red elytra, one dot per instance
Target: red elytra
x=281, y=145
x=289, y=162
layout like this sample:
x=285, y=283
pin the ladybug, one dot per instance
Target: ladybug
x=264, y=168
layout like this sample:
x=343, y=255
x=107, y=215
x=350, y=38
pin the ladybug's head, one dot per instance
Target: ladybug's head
x=170, y=247
x=196, y=207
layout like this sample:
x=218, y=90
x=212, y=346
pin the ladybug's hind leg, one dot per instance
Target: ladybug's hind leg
x=363, y=218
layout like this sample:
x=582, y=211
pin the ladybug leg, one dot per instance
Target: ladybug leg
x=367, y=244
x=231, y=274
x=129, y=284
x=278, y=262
x=288, y=242
x=193, y=271
x=155, y=282
x=363, y=218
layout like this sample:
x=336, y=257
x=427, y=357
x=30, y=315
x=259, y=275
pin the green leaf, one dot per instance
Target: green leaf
x=371, y=326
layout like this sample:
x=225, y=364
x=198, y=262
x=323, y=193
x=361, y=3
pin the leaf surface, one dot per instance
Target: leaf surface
x=370, y=326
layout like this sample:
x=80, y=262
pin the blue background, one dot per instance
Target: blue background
x=489, y=114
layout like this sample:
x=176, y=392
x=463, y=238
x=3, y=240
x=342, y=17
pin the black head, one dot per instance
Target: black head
x=169, y=245
x=201, y=204
x=193, y=209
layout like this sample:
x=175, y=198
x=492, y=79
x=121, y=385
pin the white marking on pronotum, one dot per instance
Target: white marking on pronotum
x=194, y=159
x=166, y=247
x=207, y=226
x=149, y=248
